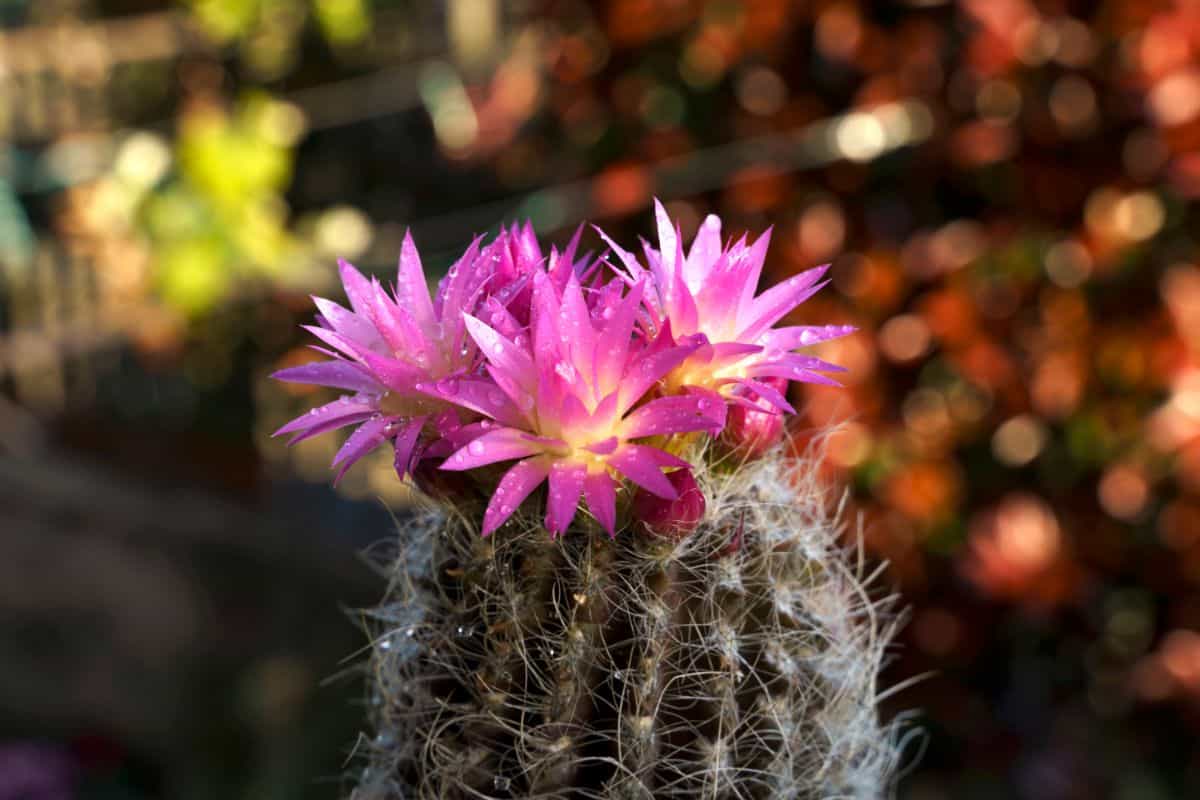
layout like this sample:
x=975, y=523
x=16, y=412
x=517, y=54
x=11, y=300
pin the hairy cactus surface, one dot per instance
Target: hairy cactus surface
x=739, y=661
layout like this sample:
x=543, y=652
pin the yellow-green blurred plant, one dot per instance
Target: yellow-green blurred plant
x=220, y=218
x=267, y=32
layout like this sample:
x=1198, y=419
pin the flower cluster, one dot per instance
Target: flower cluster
x=580, y=373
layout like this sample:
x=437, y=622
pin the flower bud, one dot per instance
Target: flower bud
x=671, y=519
x=750, y=432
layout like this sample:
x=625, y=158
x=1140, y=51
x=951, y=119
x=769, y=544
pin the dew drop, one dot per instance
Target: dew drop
x=501, y=783
x=475, y=448
x=448, y=386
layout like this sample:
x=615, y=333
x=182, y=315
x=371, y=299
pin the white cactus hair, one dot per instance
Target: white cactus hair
x=740, y=662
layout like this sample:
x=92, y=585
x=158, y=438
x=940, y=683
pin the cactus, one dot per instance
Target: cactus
x=696, y=633
x=739, y=661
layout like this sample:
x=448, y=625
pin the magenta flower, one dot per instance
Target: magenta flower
x=384, y=346
x=571, y=402
x=708, y=295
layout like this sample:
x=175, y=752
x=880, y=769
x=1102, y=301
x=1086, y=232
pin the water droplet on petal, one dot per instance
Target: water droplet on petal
x=475, y=448
x=448, y=386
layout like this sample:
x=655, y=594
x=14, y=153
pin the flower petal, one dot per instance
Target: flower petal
x=775, y=303
x=566, y=483
x=358, y=289
x=511, y=491
x=476, y=394
x=502, y=353
x=803, y=335
x=407, y=435
x=640, y=464
x=342, y=408
x=364, y=439
x=504, y=444
x=676, y=414
x=412, y=290
x=768, y=393
x=335, y=374
x=601, y=493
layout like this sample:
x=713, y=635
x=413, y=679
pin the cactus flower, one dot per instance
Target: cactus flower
x=708, y=295
x=384, y=345
x=570, y=402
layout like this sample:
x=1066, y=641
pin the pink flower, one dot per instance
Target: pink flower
x=386, y=344
x=708, y=295
x=570, y=403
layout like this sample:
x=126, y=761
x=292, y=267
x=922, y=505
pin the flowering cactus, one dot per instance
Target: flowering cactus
x=695, y=634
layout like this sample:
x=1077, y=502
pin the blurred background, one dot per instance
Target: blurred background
x=1005, y=189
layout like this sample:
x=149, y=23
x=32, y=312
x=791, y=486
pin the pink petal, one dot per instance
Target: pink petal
x=412, y=291
x=396, y=375
x=705, y=251
x=650, y=366
x=575, y=328
x=340, y=409
x=775, y=303
x=344, y=322
x=504, y=444
x=566, y=482
x=604, y=446
x=612, y=345
x=335, y=340
x=511, y=491
x=476, y=394
x=601, y=493
x=633, y=269
x=748, y=262
x=768, y=393
x=396, y=327
x=677, y=414
x=547, y=342
x=406, y=443
x=790, y=366
x=804, y=335
x=358, y=289
x=641, y=465
x=502, y=353
x=336, y=374
x=364, y=439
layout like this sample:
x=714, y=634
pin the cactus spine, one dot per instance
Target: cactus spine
x=740, y=661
